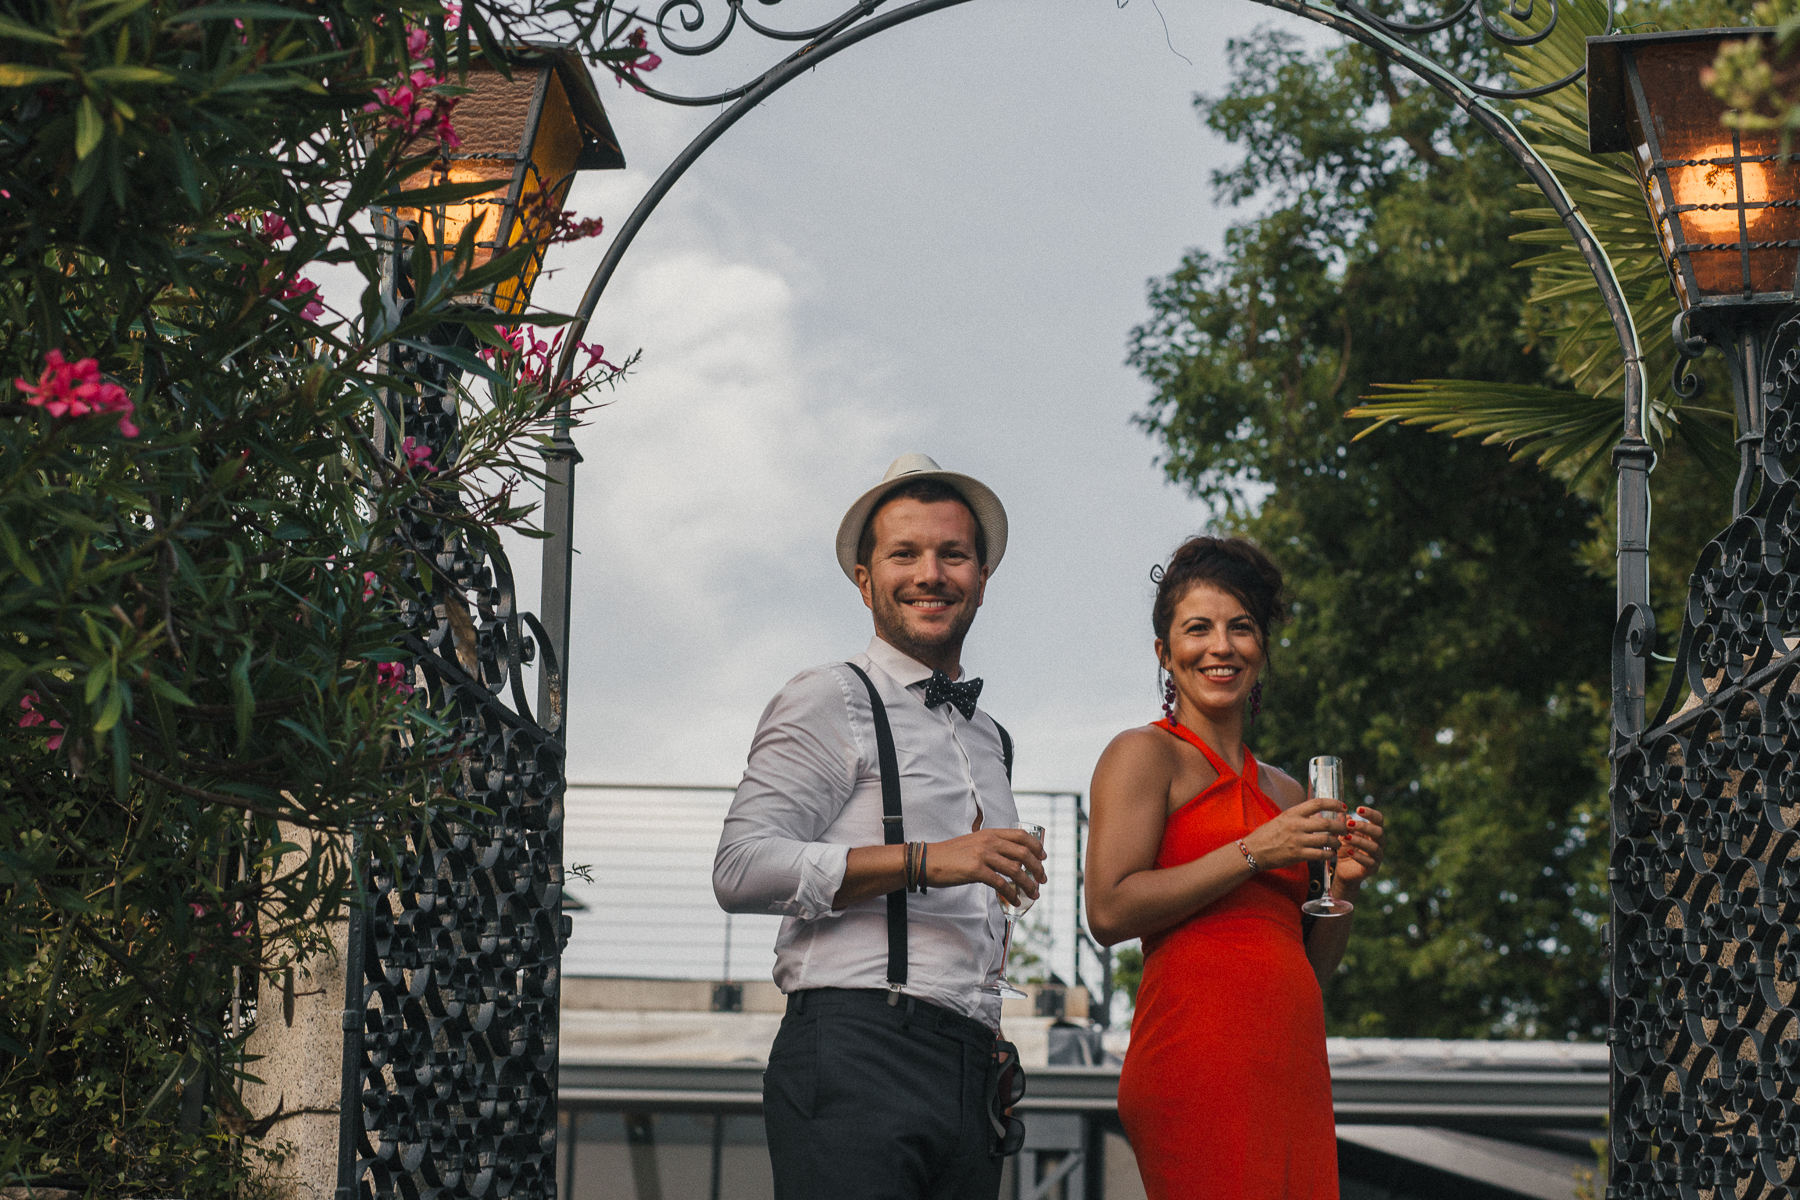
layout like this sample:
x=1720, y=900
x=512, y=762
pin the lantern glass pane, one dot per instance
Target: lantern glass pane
x=546, y=189
x=442, y=226
x=490, y=121
x=1723, y=202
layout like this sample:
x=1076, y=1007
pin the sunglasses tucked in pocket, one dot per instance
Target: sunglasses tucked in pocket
x=1006, y=1087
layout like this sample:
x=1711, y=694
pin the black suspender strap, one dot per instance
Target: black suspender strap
x=893, y=834
x=893, y=826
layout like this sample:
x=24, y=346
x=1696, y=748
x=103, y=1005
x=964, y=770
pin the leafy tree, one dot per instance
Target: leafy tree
x=1762, y=93
x=1451, y=607
x=218, y=547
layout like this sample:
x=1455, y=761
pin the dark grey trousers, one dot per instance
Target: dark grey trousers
x=879, y=1102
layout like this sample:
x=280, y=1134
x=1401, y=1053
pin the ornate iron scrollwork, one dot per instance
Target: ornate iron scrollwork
x=1520, y=12
x=1705, y=868
x=459, y=964
x=710, y=31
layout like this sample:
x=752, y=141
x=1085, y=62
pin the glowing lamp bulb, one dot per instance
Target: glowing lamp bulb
x=1715, y=182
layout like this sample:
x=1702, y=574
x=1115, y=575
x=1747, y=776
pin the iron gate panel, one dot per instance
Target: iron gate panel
x=1705, y=867
x=451, y=1024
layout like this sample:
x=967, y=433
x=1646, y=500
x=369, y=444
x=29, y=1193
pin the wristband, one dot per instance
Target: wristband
x=915, y=867
x=1248, y=857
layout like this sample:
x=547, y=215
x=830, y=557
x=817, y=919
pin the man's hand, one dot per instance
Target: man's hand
x=1007, y=860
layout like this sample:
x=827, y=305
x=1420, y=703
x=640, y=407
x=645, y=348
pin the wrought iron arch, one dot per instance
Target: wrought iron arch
x=1391, y=38
x=450, y=1082
x=1388, y=37
x=1385, y=36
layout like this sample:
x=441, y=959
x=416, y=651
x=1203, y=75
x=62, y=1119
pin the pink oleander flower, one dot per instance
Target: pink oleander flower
x=417, y=454
x=200, y=910
x=33, y=718
x=417, y=43
x=415, y=110
x=268, y=227
x=394, y=675
x=554, y=226
x=570, y=228
x=645, y=61
x=369, y=579
x=534, y=360
x=294, y=287
x=76, y=390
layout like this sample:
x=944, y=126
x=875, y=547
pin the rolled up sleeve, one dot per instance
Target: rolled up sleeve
x=803, y=767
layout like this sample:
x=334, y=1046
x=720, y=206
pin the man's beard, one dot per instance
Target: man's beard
x=890, y=623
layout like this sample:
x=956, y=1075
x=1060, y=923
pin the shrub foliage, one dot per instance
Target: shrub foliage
x=206, y=549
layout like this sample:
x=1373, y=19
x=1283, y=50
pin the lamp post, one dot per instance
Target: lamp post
x=1703, y=879
x=528, y=134
x=452, y=963
x=1725, y=203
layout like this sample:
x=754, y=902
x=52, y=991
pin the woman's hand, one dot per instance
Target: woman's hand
x=1307, y=832
x=1360, y=850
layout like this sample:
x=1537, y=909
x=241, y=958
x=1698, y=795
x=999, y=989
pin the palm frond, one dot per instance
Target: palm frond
x=1550, y=425
x=1565, y=431
x=1571, y=430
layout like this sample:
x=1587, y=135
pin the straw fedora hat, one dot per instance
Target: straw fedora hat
x=910, y=468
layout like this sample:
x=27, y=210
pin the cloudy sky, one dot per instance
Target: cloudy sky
x=937, y=241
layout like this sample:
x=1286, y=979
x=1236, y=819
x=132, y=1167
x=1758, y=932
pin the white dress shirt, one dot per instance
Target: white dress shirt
x=812, y=790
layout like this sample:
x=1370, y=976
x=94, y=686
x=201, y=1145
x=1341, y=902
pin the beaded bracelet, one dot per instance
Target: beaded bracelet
x=1248, y=857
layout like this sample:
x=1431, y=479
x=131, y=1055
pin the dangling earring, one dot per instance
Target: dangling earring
x=1168, y=698
x=1255, y=699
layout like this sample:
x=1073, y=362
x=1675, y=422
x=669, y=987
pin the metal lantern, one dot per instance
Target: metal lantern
x=1723, y=200
x=528, y=134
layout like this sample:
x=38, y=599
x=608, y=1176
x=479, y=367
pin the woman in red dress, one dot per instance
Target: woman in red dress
x=1204, y=854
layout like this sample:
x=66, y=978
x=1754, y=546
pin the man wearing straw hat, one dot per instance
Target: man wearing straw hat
x=876, y=813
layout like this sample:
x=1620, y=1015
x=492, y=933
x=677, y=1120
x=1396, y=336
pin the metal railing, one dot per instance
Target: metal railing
x=643, y=903
x=693, y=1131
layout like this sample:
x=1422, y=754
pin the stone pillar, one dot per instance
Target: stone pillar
x=298, y=1052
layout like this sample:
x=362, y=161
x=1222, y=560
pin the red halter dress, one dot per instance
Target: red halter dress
x=1226, y=1092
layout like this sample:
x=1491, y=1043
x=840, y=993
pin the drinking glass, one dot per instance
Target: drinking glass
x=1325, y=777
x=1003, y=988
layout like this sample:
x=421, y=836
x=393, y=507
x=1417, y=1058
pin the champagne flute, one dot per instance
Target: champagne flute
x=1003, y=987
x=1325, y=777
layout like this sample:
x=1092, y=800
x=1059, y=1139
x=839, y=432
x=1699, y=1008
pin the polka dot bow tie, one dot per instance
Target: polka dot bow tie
x=939, y=689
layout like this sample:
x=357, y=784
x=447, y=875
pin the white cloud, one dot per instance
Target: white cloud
x=706, y=486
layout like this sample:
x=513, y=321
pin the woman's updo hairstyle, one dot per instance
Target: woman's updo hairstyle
x=1232, y=565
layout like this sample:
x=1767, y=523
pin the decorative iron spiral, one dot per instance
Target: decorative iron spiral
x=702, y=31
